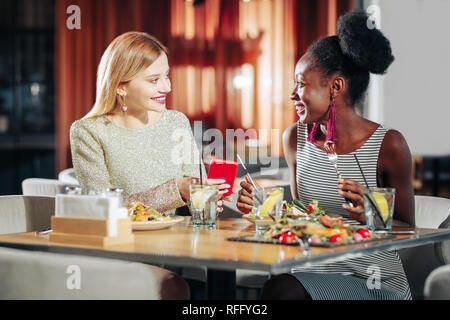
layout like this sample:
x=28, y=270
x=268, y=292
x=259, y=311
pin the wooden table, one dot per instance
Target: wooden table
x=182, y=245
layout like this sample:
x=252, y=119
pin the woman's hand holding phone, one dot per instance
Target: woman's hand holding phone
x=223, y=187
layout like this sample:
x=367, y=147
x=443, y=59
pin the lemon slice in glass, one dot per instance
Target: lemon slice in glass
x=270, y=202
x=200, y=198
x=382, y=205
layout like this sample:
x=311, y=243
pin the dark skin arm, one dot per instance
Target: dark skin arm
x=394, y=171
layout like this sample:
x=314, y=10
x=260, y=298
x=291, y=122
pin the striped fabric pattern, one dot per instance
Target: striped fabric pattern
x=350, y=279
x=316, y=177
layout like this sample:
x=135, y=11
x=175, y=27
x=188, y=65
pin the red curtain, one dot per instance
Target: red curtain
x=228, y=30
x=78, y=52
x=206, y=37
x=316, y=19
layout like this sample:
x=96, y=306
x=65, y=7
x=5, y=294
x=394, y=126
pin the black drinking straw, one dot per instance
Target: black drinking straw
x=200, y=165
x=250, y=178
x=360, y=169
x=368, y=197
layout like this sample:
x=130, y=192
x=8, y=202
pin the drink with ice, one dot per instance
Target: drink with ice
x=382, y=199
x=267, y=202
x=203, y=205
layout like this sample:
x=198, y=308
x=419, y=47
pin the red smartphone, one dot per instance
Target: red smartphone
x=223, y=169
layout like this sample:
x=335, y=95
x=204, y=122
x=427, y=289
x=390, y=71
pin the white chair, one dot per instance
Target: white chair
x=25, y=213
x=50, y=276
x=431, y=211
x=43, y=187
x=437, y=285
x=68, y=176
x=419, y=262
x=42, y=275
x=442, y=249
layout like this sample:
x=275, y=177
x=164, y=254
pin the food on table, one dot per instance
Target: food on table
x=287, y=237
x=336, y=238
x=139, y=212
x=364, y=233
x=314, y=240
x=357, y=236
x=330, y=222
x=294, y=210
x=298, y=209
x=316, y=232
x=320, y=229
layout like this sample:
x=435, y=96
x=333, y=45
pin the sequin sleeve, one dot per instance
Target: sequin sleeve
x=162, y=198
x=88, y=159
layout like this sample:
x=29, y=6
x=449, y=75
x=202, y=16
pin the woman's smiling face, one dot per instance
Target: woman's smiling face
x=149, y=89
x=311, y=93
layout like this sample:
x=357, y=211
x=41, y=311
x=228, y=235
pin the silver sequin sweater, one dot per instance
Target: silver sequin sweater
x=145, y=163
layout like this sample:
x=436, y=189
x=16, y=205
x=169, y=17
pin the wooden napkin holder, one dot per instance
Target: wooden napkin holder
x=89, y=231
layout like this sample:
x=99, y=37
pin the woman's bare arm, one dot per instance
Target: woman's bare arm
x=394, y=171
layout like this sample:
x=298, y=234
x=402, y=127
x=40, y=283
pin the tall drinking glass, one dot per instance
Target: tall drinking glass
x=268, y=204
x=382, y=199
x=203, y=205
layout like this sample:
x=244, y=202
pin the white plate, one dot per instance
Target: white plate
x=157, y=225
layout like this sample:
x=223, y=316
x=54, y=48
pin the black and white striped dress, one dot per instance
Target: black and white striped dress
x=354, y=278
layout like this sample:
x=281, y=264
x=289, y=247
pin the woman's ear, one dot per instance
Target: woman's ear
x=121, y=90
x=337, y=87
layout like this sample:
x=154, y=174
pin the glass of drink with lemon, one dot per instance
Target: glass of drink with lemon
x=203, y=205
x=267, y=203
x=382, y=199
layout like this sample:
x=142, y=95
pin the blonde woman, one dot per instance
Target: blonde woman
x=129, y=139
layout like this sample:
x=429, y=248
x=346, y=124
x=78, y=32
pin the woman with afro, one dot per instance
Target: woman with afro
x=330, y=80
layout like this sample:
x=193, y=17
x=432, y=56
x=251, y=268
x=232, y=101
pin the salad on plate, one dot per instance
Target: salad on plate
x=139, y=212
x=313, y=224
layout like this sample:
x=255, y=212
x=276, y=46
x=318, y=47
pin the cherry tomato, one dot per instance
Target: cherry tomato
x=337, y=238
x=287, y=237
x=310, y=210
x=364, y=233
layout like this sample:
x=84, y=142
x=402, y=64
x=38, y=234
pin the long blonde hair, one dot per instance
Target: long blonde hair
x=125, y=57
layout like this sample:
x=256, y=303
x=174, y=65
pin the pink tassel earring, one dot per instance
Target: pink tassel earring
x=331, y=126
x=312, y=137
